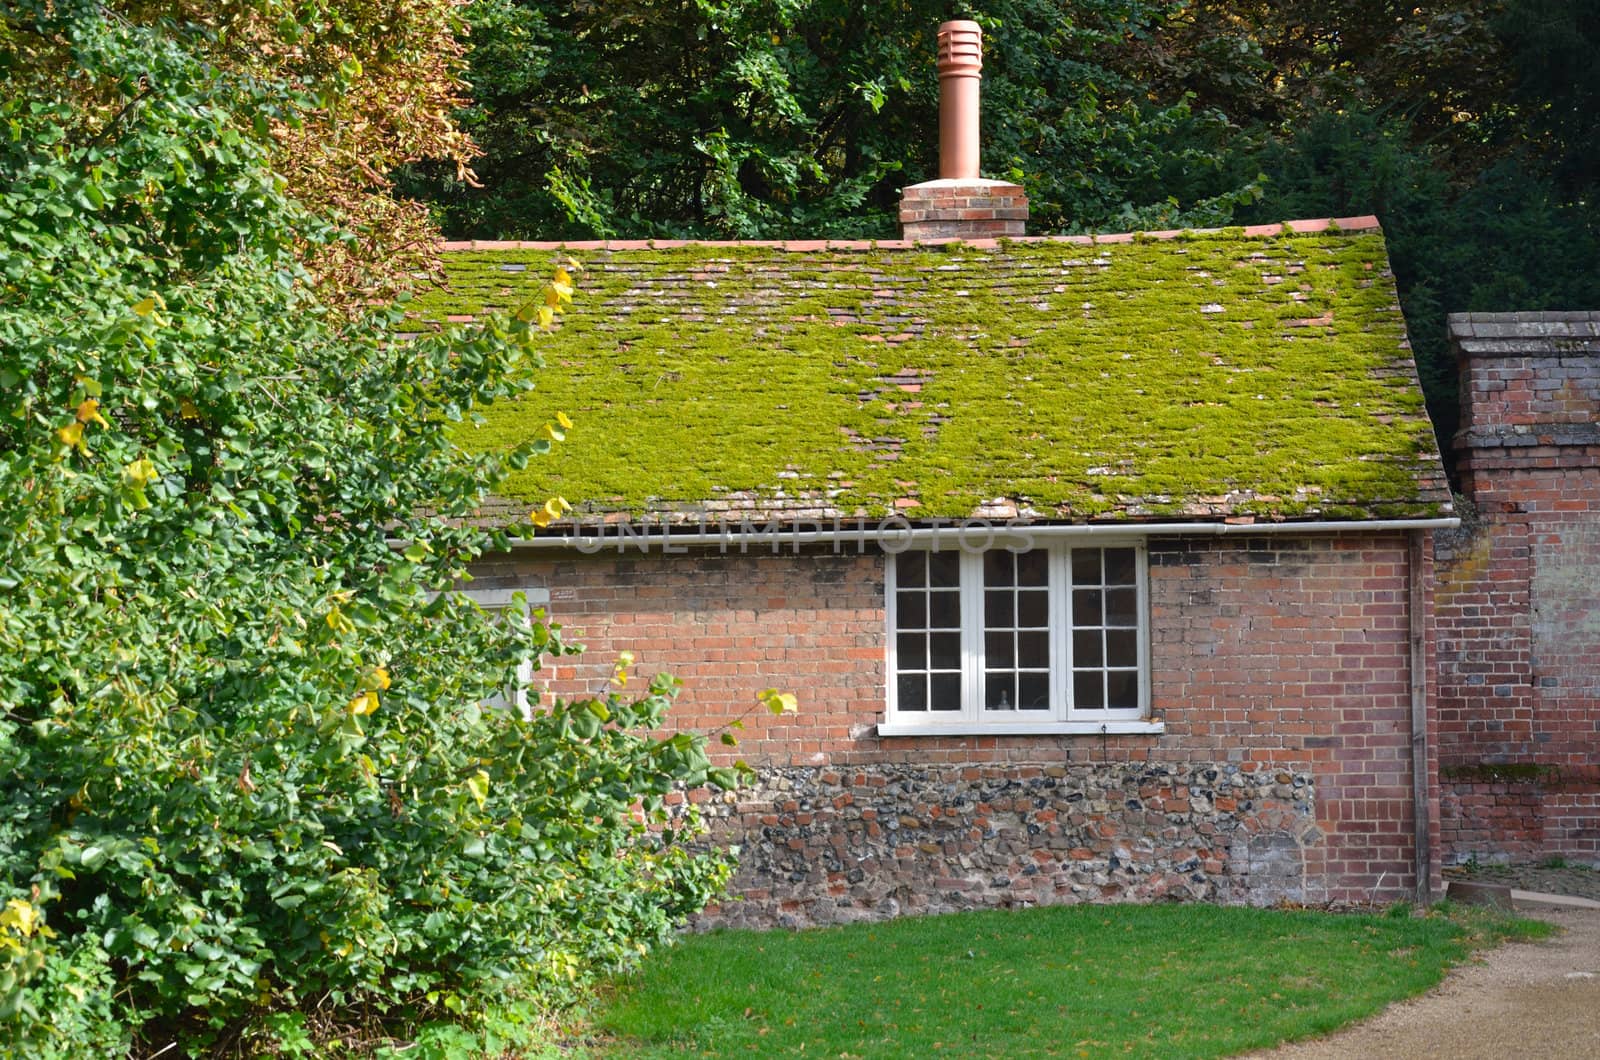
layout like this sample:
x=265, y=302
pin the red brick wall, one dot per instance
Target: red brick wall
x=1519, y=593
x=1280, y=667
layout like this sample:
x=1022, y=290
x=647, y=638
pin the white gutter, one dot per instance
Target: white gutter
x=897, y=534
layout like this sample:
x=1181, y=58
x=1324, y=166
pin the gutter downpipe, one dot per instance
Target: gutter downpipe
x=1421, y=774
x=901, y=533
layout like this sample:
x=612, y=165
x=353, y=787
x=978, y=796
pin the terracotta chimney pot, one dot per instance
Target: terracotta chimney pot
x=960, y=69
x=960, y=204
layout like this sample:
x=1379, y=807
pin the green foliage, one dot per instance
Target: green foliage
x=1096, y=980
x=733, y=118
x=242, y=741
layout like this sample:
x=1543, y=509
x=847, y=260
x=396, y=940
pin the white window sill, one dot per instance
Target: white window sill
x=1036, y=728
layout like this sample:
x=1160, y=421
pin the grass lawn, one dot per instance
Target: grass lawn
x=1163, y=981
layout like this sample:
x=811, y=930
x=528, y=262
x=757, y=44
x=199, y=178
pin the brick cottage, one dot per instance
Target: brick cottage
x=1103, y=567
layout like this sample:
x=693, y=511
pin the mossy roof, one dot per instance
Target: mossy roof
x=1241, y=373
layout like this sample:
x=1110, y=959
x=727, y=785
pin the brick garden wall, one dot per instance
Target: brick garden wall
x=1519, y=594
x=1280, y=669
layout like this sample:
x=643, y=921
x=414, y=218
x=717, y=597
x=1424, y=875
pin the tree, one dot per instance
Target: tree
x=244, y=762
x=731, y=118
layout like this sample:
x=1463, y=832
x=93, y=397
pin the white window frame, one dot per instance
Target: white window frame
x=502, y=600
x=1062, y=717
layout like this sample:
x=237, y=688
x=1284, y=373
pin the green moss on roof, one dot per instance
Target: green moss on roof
x=1207, y=376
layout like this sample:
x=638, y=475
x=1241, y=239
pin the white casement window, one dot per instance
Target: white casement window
x=1051, y=640
x=511, y=605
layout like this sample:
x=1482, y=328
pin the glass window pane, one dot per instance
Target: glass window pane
x=1120, y=568
x=1086, y=649
x=1033, y=650
x=1033, y=568
x=911, y=651
x=1033, y=609
x=944, y=610
x=997, y=654
x=911, y=610
x=911, y=691
x=1086, y=566
x=997, y=568
x=997, y=609
x=1088, y=690
x=1122, y=647
x=999, y=692
x=1122, y=607
x=946, y=691
x=944, y=651
x=911, y=569
x=1122, y=689
x=1086, y=607
x=944, y=569
x=1033, y=691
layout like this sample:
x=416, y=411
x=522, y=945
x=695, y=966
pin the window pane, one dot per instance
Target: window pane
x=997, y=651
x=944, y=650
x=1122, y=647
x=911, y=691
x=911, y=651
x=1088, y=690
x=1120, y=567
x=911, y=610
x=911, y=569
x=1033, y=609
x=1033, y=691
x=944, y=610
x=1122, y=607
x=999, y=693
x=1122, y=689
x=997, y=608
x=944, y=569
x=946, y=691
x=997, y=568
x=1086, y=607
x=1033, y=650
x=1086, y=566
x=1086, y=648
x=1033, y=568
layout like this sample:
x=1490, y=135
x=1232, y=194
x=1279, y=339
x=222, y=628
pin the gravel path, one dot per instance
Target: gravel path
x=1533, y=999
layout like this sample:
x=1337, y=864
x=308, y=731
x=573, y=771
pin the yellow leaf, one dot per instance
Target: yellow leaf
x=561, y=418
x=20, y=917
x=187, y=410
x=547, y=317
x=365, y=703
x=553, y=434
x=552, y=507
x=778, y=702
x=71, y=434
x=478, y=784
x=144, y=307
x=380, y=677
x=89, y=412
x=563, y=277
x=138, y=474
x=562, y=290
x=539, y=517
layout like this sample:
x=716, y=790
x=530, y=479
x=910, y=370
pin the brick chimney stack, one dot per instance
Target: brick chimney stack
x=961, y=204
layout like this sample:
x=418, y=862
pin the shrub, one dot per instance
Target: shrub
x=245, y=764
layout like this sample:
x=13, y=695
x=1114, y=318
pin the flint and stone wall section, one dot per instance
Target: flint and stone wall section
x=1280, y=670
